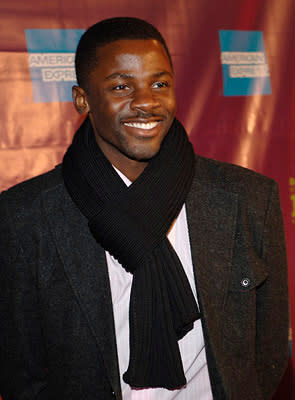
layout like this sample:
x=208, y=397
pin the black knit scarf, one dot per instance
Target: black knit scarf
x=131, y=223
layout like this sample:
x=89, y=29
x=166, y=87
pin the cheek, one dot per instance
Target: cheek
x=113, y=109
x=173, y=108
x=170, y=104
x=105, y=114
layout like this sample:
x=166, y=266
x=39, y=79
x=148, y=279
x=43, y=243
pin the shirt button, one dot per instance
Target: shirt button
x=245, y=282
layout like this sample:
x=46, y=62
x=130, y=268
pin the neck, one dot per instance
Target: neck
x=130, y=168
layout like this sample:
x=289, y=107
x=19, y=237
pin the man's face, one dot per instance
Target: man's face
x=131, y=100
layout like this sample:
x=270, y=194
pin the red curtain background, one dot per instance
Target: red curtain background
x=256, y=130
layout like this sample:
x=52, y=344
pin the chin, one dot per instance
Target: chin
x=145, y=151
x=144, y=154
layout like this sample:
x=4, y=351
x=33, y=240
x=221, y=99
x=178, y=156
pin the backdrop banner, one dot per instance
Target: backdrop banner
x=234, y=63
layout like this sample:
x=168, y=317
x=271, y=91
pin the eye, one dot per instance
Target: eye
x=159, y=85
x=119, y=88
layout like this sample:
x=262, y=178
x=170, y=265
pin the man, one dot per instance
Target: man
x=136, y=269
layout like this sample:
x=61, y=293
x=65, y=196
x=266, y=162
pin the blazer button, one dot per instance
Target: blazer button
x=245, y=282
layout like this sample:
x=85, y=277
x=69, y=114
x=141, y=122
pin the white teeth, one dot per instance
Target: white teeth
x=142, y=125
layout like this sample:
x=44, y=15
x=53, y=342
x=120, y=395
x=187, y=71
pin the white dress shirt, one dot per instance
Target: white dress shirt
x=191, y=346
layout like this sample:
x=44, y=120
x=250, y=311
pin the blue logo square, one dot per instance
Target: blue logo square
x=52, y=63
x=244, y=65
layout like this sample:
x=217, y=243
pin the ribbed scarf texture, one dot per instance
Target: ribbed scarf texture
x=131, y=223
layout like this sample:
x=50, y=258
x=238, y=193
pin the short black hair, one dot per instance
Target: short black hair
x=107, y=31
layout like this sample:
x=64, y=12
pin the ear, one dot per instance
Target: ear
x=80, y=100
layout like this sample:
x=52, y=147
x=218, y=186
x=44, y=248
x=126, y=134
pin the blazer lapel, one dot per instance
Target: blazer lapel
x=85, y=265
x=212, y=216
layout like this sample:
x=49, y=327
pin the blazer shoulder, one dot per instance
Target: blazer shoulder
x=232, y=178
x=25, y=196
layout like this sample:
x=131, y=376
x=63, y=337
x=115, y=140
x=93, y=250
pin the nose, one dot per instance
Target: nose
x=144, y=100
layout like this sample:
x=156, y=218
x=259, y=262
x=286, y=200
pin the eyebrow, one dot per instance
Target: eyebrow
x=124, y=75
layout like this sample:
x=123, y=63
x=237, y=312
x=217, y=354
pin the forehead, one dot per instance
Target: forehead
x=132, y=55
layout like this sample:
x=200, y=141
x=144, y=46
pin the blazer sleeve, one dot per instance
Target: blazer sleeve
x=22, y=356
x=272, y=302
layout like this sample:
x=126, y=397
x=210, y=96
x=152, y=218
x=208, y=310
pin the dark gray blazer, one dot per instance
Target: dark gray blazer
x=57, y=337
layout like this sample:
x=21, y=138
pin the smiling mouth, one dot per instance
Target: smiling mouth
x=142, y=125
